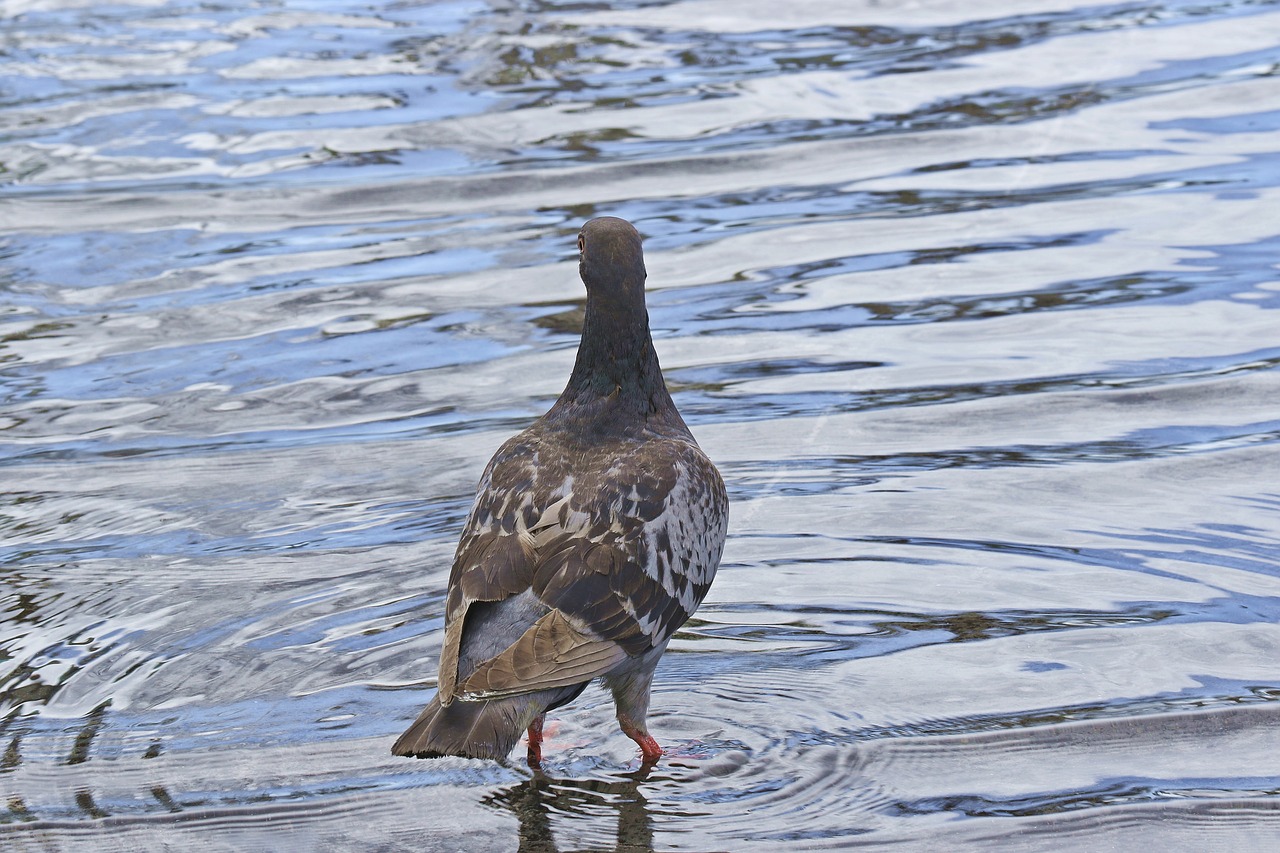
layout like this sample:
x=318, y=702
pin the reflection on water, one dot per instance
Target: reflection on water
x=973, y=305
x=536, y=801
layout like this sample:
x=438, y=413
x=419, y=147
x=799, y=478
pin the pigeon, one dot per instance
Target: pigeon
x=594, y=535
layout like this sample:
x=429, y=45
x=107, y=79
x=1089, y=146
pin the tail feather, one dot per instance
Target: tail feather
x=484, y=729
x=487, y=728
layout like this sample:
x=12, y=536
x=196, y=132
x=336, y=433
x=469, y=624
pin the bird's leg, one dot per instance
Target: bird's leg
x=535, y=741
x=631, y=696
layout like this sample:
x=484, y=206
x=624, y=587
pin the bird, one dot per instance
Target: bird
x=594, y=535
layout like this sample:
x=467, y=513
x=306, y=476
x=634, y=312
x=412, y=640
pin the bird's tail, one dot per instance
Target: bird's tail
x=488, y=728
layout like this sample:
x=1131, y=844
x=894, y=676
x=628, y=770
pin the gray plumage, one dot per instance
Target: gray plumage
x=594, y=535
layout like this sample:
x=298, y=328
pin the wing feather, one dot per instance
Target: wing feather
x=621, y=560
x=552, y=653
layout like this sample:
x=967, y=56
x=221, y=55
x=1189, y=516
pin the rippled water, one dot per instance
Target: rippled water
x=975, y=304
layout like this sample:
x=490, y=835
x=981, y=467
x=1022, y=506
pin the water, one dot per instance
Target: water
x=975, y=305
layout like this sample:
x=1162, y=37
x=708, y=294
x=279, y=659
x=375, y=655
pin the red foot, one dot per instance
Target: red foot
x=650, y=752
x=535, y=742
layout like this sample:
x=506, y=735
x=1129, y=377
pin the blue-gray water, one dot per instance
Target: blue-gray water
x=976, y=305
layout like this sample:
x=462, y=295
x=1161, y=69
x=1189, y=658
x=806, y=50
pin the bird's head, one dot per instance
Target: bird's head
x=611, y=263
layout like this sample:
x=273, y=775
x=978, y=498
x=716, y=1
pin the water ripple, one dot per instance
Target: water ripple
x=973, y=305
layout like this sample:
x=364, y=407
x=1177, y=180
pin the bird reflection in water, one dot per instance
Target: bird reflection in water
x=535, y=801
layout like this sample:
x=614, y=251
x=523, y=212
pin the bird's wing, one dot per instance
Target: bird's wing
x=493, y=561
x=620, y=561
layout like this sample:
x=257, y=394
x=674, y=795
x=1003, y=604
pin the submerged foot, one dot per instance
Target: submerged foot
x=650, y=752
x=535, y=742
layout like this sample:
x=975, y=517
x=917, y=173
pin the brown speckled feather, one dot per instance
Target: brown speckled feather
x=552, y=653
x=614, y=566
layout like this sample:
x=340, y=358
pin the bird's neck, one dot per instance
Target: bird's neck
x=616, y=374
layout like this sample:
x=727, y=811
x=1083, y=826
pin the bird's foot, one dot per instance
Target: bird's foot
x=650, y=752
x=535, y=742
x=539, y=732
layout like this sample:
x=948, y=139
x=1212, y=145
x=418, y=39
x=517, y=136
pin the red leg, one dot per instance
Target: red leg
x=535, y=741
x=650, y=752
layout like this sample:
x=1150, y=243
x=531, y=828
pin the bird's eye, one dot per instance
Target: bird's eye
x=581, y=244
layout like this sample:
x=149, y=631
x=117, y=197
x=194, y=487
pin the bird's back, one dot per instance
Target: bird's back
x=623, y=533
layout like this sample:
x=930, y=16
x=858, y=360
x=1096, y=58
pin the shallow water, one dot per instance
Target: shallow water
x=975, y=305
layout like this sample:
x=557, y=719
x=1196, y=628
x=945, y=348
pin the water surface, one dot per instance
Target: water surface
x=975, y=305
